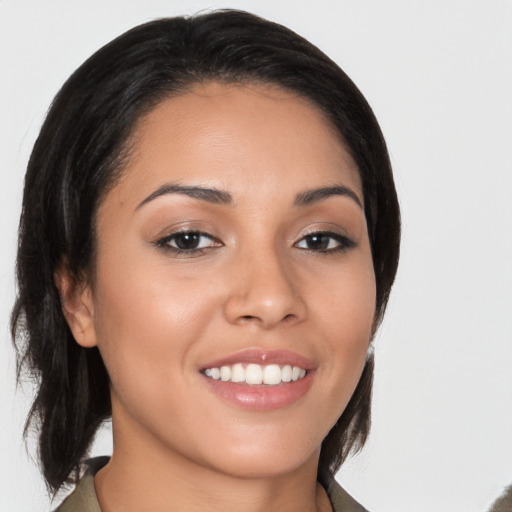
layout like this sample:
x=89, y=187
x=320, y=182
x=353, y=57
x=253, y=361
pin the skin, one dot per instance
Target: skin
x=158, y=317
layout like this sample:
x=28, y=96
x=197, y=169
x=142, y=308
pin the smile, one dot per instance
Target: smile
x=256, y=374
x=260, y=380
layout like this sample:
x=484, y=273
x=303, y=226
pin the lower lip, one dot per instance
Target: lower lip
x=262, y=397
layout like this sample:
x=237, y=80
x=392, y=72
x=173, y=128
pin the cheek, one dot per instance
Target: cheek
x=147, y=319
x=347, y=307
x=345, y=317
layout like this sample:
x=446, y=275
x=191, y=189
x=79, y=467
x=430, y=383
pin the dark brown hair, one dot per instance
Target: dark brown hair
x=79, y=154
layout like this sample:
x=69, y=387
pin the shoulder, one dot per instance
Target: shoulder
x=341, y=500
x=83, y=498
x=504, y=502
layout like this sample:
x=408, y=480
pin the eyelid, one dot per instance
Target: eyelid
x=178, y=232
x=327, y=228
x=343, y=240
x=186, y=226
x=163, y=242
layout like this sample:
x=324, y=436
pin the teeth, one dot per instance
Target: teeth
x=225, y=373
x=237, y=373
x=255, y=374
x=215, y=373
x=286, y=373
x=272, y=374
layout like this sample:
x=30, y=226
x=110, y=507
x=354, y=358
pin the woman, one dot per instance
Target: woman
x=208, y=240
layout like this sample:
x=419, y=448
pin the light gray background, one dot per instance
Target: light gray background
x=439, y=77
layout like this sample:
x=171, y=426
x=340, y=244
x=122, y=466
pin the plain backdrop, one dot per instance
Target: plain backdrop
x=439, y=77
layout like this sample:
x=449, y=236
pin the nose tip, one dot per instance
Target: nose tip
x=265, y=295
x=267, y=315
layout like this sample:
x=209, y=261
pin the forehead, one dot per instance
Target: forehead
x=240, y=137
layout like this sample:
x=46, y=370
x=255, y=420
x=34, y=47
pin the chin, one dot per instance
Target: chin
x=264, y=467
x=264, y=457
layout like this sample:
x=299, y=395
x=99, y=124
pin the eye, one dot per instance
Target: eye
x=188, y=242
x=325, y=242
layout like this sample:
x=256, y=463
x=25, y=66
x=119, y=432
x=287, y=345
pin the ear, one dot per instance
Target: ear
x=77, y=305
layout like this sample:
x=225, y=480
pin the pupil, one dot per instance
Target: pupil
x=318, y=242
x=187, y=241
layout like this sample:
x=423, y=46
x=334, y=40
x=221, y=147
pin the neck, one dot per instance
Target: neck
x=143, y=475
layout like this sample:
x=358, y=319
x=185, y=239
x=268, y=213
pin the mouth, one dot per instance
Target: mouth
x=256, y=374
x=260, y=380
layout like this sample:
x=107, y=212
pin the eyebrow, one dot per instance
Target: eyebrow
x=216, y=196
x=318, y=194
x=211, y=195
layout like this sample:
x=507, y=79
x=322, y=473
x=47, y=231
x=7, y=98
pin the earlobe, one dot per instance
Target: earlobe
x=77, y=306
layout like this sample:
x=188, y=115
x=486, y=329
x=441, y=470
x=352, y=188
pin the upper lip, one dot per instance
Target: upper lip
x=263, y=357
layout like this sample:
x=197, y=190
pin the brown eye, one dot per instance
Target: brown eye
x=188, y=242
x=325, y=242
x=318, y=242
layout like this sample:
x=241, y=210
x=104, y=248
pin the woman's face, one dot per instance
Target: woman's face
x=234, y=244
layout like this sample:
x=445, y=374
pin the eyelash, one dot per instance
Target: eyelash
x=164, y=243
x=343, y=243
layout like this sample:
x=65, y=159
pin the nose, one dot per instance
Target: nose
x=264, y=292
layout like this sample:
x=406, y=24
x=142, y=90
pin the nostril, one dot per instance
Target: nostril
x=250, y=318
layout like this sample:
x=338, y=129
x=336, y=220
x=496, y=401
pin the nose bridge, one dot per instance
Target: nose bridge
x=263, y=288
